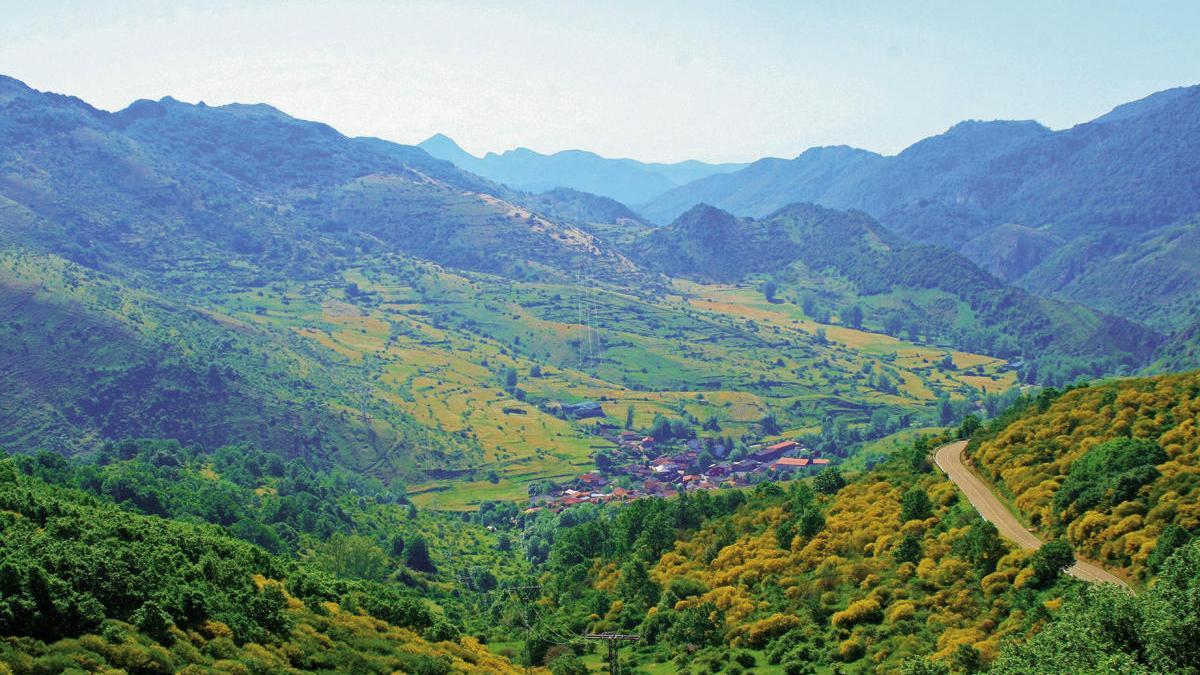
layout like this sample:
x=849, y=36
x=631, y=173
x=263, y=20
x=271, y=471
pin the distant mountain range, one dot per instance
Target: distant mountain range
x=1101, y=213
x=846, y=258
x=139, y=190
x=166, y=210
x=625, y=180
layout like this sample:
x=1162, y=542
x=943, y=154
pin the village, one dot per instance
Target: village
x=642, y=466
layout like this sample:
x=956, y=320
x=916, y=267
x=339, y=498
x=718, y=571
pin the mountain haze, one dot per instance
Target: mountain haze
x=625, y=180
x=1084, y=198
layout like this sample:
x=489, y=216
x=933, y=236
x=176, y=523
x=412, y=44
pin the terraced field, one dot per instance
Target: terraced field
x=439, y=345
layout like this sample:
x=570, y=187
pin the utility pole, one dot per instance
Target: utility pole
x=614, y=662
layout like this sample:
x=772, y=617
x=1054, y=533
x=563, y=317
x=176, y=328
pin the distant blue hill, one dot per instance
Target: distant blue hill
x=625, y=180
x=1104, y=213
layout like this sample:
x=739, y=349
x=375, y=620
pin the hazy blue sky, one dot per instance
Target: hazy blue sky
x=651, y=80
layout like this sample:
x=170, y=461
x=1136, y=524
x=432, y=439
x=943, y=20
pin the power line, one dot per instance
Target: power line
x=612, y=639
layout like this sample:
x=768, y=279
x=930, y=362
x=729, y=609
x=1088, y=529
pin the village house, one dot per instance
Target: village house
x=773, y=452
x=786, y=464
x=664, y=465
x=591, y=480
x=582, y=410
x=717, y=471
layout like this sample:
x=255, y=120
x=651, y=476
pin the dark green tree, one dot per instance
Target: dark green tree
x=915, y=505
x=416, y=555
x=769, y=288
x=829, y=481
x=908, y=550
x=1050, y=560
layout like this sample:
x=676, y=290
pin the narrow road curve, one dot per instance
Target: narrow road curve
x=949, y=459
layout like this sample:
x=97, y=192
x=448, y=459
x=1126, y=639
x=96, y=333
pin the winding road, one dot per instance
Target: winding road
x=949, y=459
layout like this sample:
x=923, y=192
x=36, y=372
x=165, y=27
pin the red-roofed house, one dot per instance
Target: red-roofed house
x=775, y=451
x=789, y=463
x=820, y=460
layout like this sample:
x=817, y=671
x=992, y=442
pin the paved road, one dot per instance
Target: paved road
x=949, y=459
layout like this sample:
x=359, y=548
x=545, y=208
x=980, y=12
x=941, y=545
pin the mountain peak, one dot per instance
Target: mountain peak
x=13, y=85
x=835, y=151
x=983, y=135
x=443, y=147
x=703, y=214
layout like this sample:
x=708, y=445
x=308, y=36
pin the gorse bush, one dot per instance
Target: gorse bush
x=1108, y=467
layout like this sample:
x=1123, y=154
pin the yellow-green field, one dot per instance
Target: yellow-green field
x=435, y=345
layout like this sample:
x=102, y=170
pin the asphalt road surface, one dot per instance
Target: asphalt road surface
x=949, y=459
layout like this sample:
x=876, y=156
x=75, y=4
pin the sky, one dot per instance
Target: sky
x=656, y=81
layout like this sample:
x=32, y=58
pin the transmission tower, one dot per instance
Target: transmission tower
x=613, y=639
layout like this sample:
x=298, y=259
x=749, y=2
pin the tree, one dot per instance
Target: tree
x=853, y=316
x=353, y=556
x=982, y=546
x=811, y=522
x=1106, y=629
x=967, y=659
x=908, y=550
x=945, y=410
x=918, y=455
x=629, y=417
x=660, y=428
x=769, y=289
x=829, y=481
x=636, y=585
x=1109, y=474
x=1173, y=538
x=1050, y=560
x=153, y=620
x=969, y=426
x=416, y=555
x=915, y=505
x=881, y=422
x=695, y=627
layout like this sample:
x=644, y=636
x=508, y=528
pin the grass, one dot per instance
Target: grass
x=433, y=345
x=405, y=361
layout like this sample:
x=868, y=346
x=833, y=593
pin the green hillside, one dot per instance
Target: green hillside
x=1111, y=467
x=845, y=263
x=891, y=570
x=89, y=587
x=91, y=360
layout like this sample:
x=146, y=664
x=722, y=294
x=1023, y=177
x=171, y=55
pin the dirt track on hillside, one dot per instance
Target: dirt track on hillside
x=949, y=459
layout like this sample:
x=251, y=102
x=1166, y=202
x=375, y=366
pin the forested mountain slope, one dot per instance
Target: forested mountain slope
x=1098, y=196
x=87, y=586
x=88, y=360
x=889, y=571
x=1111, y=467
x=800, y=242
x=199, y=195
